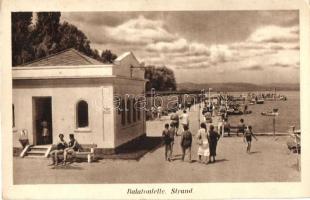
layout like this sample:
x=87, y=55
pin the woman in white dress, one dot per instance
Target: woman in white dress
x=203, y=142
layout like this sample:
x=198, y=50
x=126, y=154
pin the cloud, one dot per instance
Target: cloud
x=200, y=65
x=189, y=59
x=179, y=45
x=138, y=31
x=275, y=34
x=253, y=68
x=281, y=65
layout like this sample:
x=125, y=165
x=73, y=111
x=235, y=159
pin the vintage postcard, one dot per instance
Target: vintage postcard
x=155, y=99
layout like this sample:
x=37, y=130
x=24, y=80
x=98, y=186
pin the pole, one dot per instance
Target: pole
x=274, y=125
x=209, y=95
x=199, y=107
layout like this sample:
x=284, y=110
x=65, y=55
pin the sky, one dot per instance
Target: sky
x=202, y=46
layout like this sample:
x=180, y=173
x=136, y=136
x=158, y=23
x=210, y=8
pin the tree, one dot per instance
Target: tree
x=160, y=78
x=21, y=45
x=108, y=57
x=48, y=36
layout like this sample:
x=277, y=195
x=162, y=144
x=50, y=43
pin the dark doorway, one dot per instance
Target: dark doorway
x=42, y=119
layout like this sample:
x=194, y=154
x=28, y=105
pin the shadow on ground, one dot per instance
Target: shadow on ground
x=137, y=151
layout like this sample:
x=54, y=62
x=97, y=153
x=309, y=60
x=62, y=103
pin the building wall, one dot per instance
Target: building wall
x=129, y=131
x=123, y=68
x=64, y=100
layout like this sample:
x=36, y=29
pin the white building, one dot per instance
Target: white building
x=75, y=94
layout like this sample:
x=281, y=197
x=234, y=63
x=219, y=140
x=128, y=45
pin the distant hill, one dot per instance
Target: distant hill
x=236, y=87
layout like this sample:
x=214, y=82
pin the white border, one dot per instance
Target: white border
x=118, y=191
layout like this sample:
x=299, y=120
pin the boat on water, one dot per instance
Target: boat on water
x=274, y=112
x=260, y=101
x=232, y=111
x=280, y=98
x=270, y=113
x=256, y=101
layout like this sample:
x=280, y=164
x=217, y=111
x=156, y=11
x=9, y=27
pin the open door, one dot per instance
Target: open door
x=42, y=117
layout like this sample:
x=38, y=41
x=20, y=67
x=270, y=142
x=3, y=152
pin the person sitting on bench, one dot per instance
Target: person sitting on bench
x=72, y=147
x=60, y=147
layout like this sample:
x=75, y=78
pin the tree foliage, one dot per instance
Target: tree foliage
x=21, y=45
x=160, y=78
x=48, y=36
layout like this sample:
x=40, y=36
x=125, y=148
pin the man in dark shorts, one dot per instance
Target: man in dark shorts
x=186, y=143
x=167, y=141
x=248, y=137
x=73, y=147
x=60, y=147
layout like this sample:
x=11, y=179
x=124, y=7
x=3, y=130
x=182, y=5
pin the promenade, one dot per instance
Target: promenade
x=270, y=161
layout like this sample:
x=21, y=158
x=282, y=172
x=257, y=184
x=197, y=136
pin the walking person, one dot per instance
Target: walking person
x=213, y=139
x=203, y=142
x=159, y=112
x=220, y=125
x=60, y=147
x=186, y=143
x=226, y=126
x=241, y=127
x=172, y=133
x=175, y=121
x=184, y=119
x=248, y=137
x=167, y=142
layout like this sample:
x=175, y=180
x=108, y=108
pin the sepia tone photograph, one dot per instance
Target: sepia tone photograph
x=156, y=97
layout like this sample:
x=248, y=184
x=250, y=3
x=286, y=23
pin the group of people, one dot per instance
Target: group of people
x=207, y=141
x=64, y=148
x=207, y=136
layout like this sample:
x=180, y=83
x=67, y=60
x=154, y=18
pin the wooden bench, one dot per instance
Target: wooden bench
x=87, y=151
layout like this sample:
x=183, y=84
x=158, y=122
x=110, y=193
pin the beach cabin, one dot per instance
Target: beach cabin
x=71, y=93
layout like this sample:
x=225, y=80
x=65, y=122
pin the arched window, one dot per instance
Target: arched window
x=82, y=114
x=129, y=108
x=13, y=115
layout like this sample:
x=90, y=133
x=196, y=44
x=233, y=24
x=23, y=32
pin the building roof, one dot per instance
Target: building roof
x=67, y=57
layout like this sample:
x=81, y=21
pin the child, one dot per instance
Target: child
x=248, y=137
x=167, y=141
x=45, y=132
x=186, y=143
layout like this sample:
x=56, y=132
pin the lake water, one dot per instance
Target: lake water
x=289, y=114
